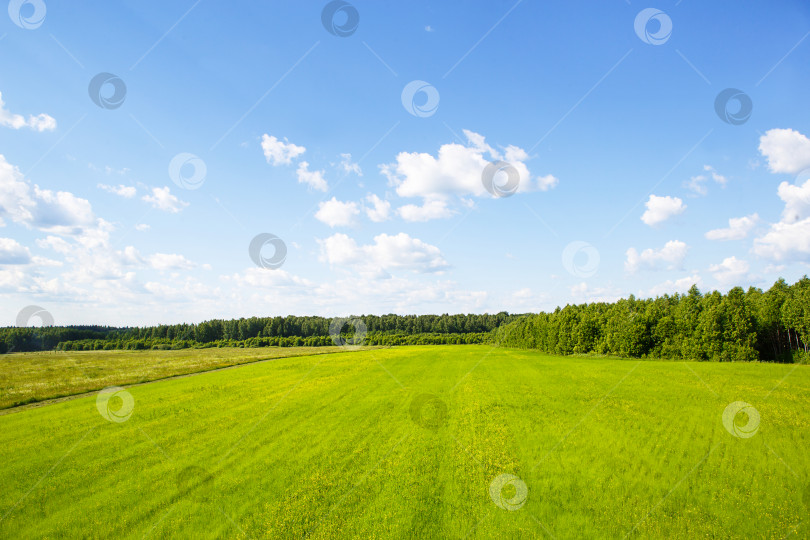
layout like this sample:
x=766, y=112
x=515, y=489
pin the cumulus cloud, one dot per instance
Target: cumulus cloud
x=738, y=228
x=456, y=171
x=100, y=277
x=61, y=211
x=121, y=190
x=130, y=256
x=40, y=122
x=162, y=199
x=313, y=179
x=670, y=256
x=336, y=213
x=797, y=201
x=785, y=241
x=660, y=209
x=58, y=212
x=387, y=253
x=431, y=209
x=92, y=274
x=348, y=166
x=789, y=239
x=92, y=265
x=732, y=271
x=697, y=184
x=716, y=176
x=786, y=150
x=278, y=152
x=11, y=252
x=379, y=210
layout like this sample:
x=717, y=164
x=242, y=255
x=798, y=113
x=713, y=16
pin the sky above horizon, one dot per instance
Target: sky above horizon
x=166, y=163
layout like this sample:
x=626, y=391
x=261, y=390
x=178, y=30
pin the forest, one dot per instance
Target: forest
x=737, y=326
x=740, y=325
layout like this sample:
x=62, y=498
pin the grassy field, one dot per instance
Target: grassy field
x=423, y=442
x=31, y=377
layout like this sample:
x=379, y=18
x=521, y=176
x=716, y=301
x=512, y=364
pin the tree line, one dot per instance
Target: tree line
x=737, y=326
x=287, y=331
x=374, y=338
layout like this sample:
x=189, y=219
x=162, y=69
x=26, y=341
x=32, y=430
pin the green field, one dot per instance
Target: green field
x=412, y=442
x=32, y=377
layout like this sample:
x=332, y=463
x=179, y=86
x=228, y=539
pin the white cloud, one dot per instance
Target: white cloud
x=431, y=209
x=162, y=199
x=95, y=272
x=11, y=252
x=670, y=256
x=660, y=209
x=169, y=261
x=457, y=170
x=738, y=228
x=313, y=179
x=15, y=279
x=785, y=241
x=387, y=253
x=789, y=239
x=280, y=152
x=732, y=271
x=59, y=212
x=797, y=201
x=142, y=227
x=348, y=166
x=336, y=213
x=547, y=182
x=379, y=210
x=130, y=256
x=681, y=285
x=697, y=184
x=786, y=150
x=121, y=190
x=40, y=122
x=93, y=277
x=717, y=177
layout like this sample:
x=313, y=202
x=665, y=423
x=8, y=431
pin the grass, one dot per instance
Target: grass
x=407, y=442
x=32, y=377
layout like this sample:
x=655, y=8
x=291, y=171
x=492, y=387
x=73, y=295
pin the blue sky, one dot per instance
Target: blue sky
x=628, y=176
